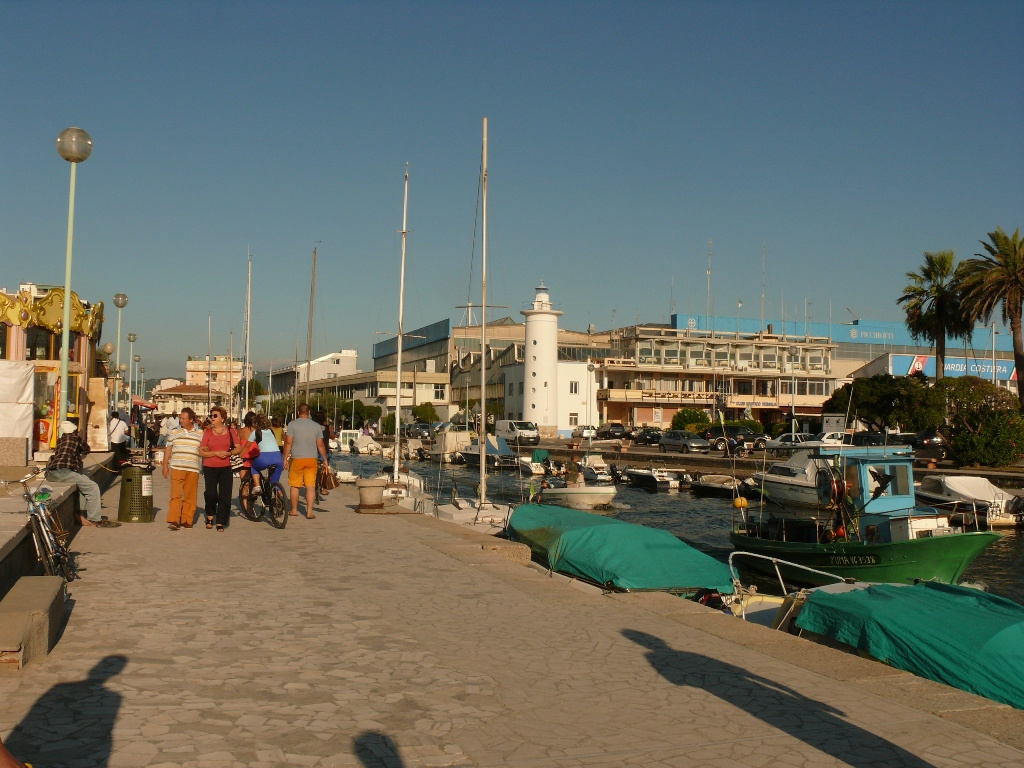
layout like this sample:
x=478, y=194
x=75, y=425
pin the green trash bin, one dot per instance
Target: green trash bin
x=136, y=505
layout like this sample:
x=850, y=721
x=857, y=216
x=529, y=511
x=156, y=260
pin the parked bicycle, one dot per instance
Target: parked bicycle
x=48, y=534
x=269, y=500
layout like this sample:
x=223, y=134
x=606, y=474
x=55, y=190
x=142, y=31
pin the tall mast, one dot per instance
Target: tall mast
x=707, y=308
x=764, y=262
x=401, y=311
x=309, y=331
x=483, y=323
x=248, y=307
x=209, y=363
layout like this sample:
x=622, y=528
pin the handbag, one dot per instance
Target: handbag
x=237, y=462
x=328, y=481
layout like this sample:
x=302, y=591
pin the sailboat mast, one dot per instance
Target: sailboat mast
x=401, y=312
x=309, y=331
x=248, y=308
x=483, y=323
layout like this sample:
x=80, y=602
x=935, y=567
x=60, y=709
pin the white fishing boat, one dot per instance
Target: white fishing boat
x=579, y=497
x=448, y=446
x=656, y=478
x=967, y=497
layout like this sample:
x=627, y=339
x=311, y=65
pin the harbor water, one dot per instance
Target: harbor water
x=701, y=522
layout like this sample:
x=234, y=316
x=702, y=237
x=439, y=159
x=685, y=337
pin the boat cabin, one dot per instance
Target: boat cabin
x=880, y=494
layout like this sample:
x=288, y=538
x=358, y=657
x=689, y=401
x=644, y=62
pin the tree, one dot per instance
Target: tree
x=996, y=279
x=884, y=401
x=968, y=399
x=425, y=412
x=932, y=304
x=688, y=417
x=255, y=389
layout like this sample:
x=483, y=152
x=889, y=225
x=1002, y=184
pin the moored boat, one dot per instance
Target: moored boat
x=723, y=486
x=499, y=455
x=972, y=500
x=871, y=529
x=579, y=497
x=615, y=554
x=792, y=484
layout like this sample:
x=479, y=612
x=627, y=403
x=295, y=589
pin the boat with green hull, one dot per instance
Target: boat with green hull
x=870, y=528
x=935, y=558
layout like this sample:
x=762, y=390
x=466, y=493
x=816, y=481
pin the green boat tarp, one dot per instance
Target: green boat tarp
x=615, y=553
x=539, y=456
x=955, y=635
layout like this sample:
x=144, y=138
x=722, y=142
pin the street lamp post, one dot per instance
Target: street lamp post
x=142, y=383
x=120, y=301
x=137, y=359
x=108, y=350
x=793, y=352
x=75, y=146
x=131, y=353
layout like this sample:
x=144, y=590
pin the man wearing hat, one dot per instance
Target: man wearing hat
x=65, y=466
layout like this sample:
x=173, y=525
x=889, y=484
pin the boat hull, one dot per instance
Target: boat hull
x=580, y=498
x=935, y=558
x=790, y=494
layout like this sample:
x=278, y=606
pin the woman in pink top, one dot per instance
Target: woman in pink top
x=220, y=441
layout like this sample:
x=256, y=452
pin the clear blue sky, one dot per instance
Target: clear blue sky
x=851, y=137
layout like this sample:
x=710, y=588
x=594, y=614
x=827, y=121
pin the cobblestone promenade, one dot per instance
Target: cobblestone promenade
x=355, y=640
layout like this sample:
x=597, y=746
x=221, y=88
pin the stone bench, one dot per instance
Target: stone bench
x=31, y=617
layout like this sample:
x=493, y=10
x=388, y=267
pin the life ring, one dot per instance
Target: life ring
x=831, y=489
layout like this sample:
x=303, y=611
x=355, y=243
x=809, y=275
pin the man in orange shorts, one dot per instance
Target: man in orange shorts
x=303, y=442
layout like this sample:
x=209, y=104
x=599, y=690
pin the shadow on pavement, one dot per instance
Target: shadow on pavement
x=71, y=721
x=812, y=722
x=377, y=750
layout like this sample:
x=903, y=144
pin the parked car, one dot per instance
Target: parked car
x=828, y=438
x=682, y=441
x=788, y=441
x=584, y=432
x=718, y=436
x=417, y=430
x=647, y=436
x=611, y=431
x=867, y=438
x=930, y=443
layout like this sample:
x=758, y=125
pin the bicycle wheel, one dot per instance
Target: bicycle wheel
x=55, y=525
x=44, y=551
x=278, y=506
x=247, y=507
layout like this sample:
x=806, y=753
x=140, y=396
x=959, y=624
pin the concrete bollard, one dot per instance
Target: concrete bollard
x=371, y=493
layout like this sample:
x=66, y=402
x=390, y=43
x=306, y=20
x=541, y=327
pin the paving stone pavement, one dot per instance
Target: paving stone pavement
x=387, y=641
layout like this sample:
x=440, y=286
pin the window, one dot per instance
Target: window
x=574, y=387
x=574, y=419
x=520, y=387
x=511, y=389
x=439, y=393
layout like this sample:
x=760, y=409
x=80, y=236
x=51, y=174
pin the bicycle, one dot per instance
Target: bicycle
x=48, y=534
x=271, y=498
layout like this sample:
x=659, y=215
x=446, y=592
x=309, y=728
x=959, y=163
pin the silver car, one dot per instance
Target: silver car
x=681, y=441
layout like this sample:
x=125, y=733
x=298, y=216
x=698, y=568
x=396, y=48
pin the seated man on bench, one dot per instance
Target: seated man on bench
x=65, y=466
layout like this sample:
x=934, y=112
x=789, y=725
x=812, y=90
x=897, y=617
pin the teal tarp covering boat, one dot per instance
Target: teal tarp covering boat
x=614, y=553
x=539, y=455
x=954, y=635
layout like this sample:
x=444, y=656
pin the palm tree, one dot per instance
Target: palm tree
x=932, y=303
x=995, y=278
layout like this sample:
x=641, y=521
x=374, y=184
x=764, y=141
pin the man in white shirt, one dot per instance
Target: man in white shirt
x=117, y=430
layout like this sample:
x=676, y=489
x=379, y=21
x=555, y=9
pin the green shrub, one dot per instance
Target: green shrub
x=998, y=443
x=690, y=419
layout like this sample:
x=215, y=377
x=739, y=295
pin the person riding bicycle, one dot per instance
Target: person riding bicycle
x=270, y=453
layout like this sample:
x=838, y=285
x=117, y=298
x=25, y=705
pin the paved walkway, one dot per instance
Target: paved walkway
x=356, y=640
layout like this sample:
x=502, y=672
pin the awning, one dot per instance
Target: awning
x=136, y=400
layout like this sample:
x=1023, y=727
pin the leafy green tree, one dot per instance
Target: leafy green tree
x=387, y=424
x=998, y=442
x=425, y=413
x=883, y=401
x=690, y=418
x=968, y=399
x=255, y=389
x=996, y=279
x=932, y=303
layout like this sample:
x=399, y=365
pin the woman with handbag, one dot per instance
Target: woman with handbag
x=220, y=450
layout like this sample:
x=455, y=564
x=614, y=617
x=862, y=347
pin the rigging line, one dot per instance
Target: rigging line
x=476, y=221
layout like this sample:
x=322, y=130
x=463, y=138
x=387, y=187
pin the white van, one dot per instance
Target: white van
x=517, y=432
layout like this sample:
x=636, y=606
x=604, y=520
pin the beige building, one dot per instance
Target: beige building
x=221, y=373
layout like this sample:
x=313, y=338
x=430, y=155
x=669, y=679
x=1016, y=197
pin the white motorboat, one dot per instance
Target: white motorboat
x=656, y=478
x=725, y=486
x=364, y=444
x=448, y=446
x=595, y=468
x=343, y=471
x=972, y=500
x=579, y=497
x=537, y=463
x=792, y=483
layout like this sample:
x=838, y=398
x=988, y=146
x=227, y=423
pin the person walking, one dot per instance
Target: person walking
x=182, y=463
x=65, y=466
x=217, y=446
x=303, y=442
x=117, y=431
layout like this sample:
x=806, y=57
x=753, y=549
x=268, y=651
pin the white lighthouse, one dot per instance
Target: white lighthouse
x=540, y=390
